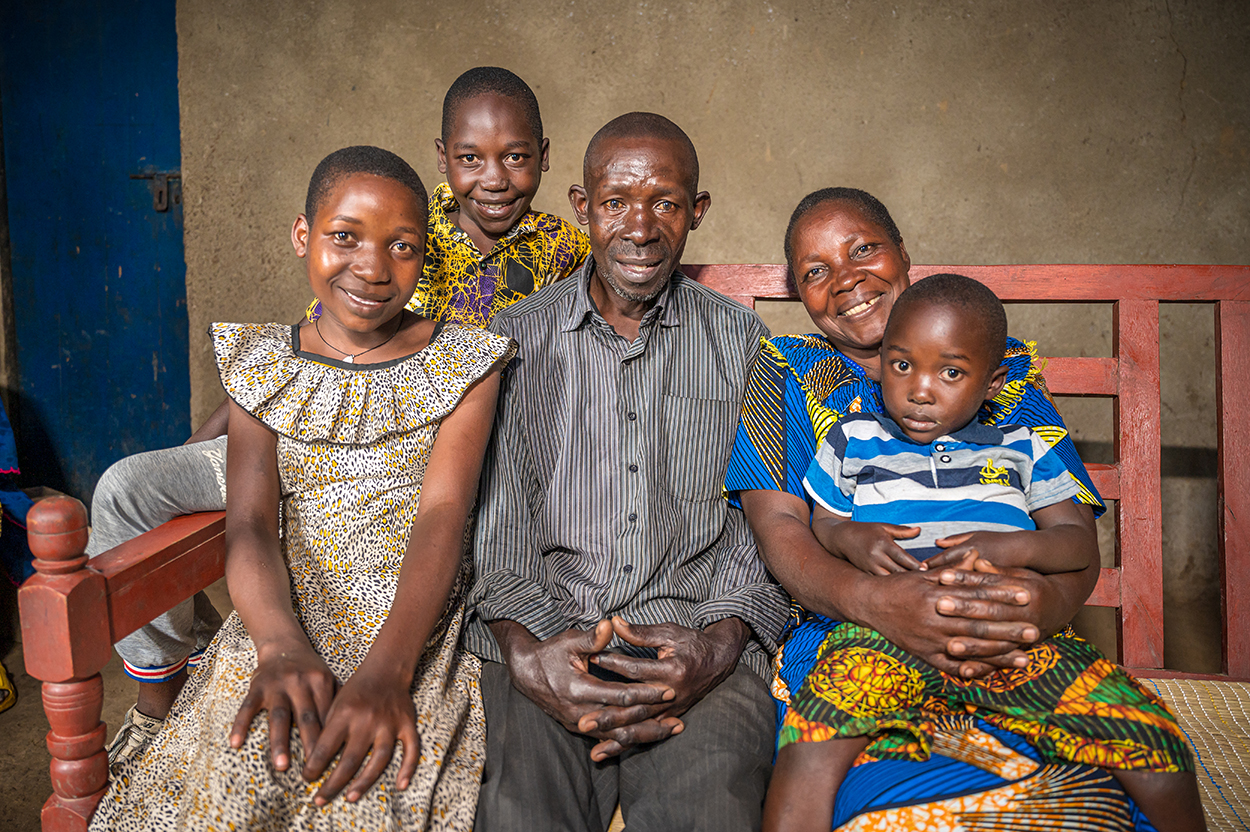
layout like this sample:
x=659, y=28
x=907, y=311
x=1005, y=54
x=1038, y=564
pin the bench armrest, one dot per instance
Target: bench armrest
x=74, y=609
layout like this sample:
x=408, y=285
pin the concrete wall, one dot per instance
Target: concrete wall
x=996, y=132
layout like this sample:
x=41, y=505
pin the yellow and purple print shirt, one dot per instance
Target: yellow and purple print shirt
x=460, y=284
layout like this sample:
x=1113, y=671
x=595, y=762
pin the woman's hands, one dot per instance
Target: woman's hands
x=370, y=715
x=963, y=622
x=291, y=682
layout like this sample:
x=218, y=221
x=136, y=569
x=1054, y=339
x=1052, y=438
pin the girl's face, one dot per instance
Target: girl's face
x=849, y=273
x=364, y=250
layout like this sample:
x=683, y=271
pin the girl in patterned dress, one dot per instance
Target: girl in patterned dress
x=362, y=436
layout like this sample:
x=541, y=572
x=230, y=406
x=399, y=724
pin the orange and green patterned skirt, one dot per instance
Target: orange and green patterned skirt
x=1070, y=703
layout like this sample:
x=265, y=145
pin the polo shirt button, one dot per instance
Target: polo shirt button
x=629, y=567
x=632, y=416
x=940, y=447
x=946, y=459
x=632, y=517
x=633, y=469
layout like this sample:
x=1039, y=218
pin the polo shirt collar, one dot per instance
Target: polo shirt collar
x=973, y=433
x=666, y=309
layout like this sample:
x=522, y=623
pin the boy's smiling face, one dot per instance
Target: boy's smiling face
x=364, y=250
x=494, y=164
x=936, y=369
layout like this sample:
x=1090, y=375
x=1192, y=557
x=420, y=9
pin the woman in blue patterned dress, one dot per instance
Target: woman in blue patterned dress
x=964, y=623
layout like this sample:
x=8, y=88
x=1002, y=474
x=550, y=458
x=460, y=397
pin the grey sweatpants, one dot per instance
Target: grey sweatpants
x=137, y=494
x=709, y=778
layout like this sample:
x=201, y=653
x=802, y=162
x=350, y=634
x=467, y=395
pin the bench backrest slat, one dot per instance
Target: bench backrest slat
x=1131, y=378
x=1232, y=353
x=1139, y=520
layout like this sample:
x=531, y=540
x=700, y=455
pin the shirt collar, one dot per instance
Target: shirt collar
x=666, y=309
x=443, y=202
x=973, y=433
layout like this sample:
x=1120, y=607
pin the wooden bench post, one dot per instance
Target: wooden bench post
x=1139, y=511
x=65, y=641
x=1232, y=356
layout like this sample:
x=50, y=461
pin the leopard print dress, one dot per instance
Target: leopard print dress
x=353, y=442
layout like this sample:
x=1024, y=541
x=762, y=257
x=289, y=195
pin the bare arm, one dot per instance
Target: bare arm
x=215, y=425
x=1065, y=541
x=948, y=618
x=870, y=546
x=290, y=677
x=374, y=712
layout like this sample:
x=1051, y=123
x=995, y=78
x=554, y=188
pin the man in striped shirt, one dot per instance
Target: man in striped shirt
x=621, y=610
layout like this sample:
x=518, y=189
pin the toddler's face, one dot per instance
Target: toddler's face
x=936, y=370
x=494, y=164
x=364, y=249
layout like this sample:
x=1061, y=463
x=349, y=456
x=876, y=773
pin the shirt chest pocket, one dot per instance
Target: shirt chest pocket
x=695, y=445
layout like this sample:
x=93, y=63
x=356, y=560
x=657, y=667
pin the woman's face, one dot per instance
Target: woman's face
x=849, y=274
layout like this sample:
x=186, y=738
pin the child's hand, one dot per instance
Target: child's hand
x=871, y=546
x=369, y=716
x=289, y=680
x=960, y=552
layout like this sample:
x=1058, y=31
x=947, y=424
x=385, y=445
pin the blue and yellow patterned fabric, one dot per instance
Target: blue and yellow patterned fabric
x=801, y=385
x=799, y=388
x=460, y=285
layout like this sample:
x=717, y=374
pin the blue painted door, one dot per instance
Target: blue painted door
x=89, y=98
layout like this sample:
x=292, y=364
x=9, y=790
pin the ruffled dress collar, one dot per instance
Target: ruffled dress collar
x=311, y=398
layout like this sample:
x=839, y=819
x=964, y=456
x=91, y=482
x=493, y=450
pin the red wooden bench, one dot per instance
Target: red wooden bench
x=73, y=611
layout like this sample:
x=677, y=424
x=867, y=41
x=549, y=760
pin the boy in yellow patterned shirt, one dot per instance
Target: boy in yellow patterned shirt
x=486, y=248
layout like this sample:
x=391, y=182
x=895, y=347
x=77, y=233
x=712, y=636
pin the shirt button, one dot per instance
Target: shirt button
x=629, y=567
x=940, y=447
x=632, y=416
x=633, y=469
x=946, y=459
x=632, y=517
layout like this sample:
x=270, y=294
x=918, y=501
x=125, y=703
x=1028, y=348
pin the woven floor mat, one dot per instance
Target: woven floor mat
x=1216, y=718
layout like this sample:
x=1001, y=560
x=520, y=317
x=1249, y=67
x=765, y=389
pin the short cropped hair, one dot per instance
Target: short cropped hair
x=641, y=125
x=864, y=201
x=970, y=296
x=361, y=159
x=483, y=80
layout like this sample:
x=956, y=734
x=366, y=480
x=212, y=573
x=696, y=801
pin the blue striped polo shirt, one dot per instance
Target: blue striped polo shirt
x=979, y=478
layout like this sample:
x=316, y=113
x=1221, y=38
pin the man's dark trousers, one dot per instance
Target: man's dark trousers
x=712, y=776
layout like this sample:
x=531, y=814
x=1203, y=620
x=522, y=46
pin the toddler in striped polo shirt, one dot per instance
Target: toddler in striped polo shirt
x=918, y=490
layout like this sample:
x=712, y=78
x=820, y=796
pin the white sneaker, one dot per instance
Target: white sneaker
x=137, y=732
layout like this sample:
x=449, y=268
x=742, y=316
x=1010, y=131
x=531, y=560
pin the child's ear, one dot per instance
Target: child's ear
x=997, y=381
x=579, y=201
x=441, y=150
x=545, y=154
x=299, y=235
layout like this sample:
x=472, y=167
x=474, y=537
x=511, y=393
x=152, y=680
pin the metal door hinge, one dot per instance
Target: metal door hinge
x=161, y=188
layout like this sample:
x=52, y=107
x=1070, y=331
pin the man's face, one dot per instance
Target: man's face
x=639, y=203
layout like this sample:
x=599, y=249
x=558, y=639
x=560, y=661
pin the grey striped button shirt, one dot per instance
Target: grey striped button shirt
x=601, y=493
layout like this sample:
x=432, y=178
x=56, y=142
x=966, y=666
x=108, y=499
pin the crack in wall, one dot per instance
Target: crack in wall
x=1180, y=100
